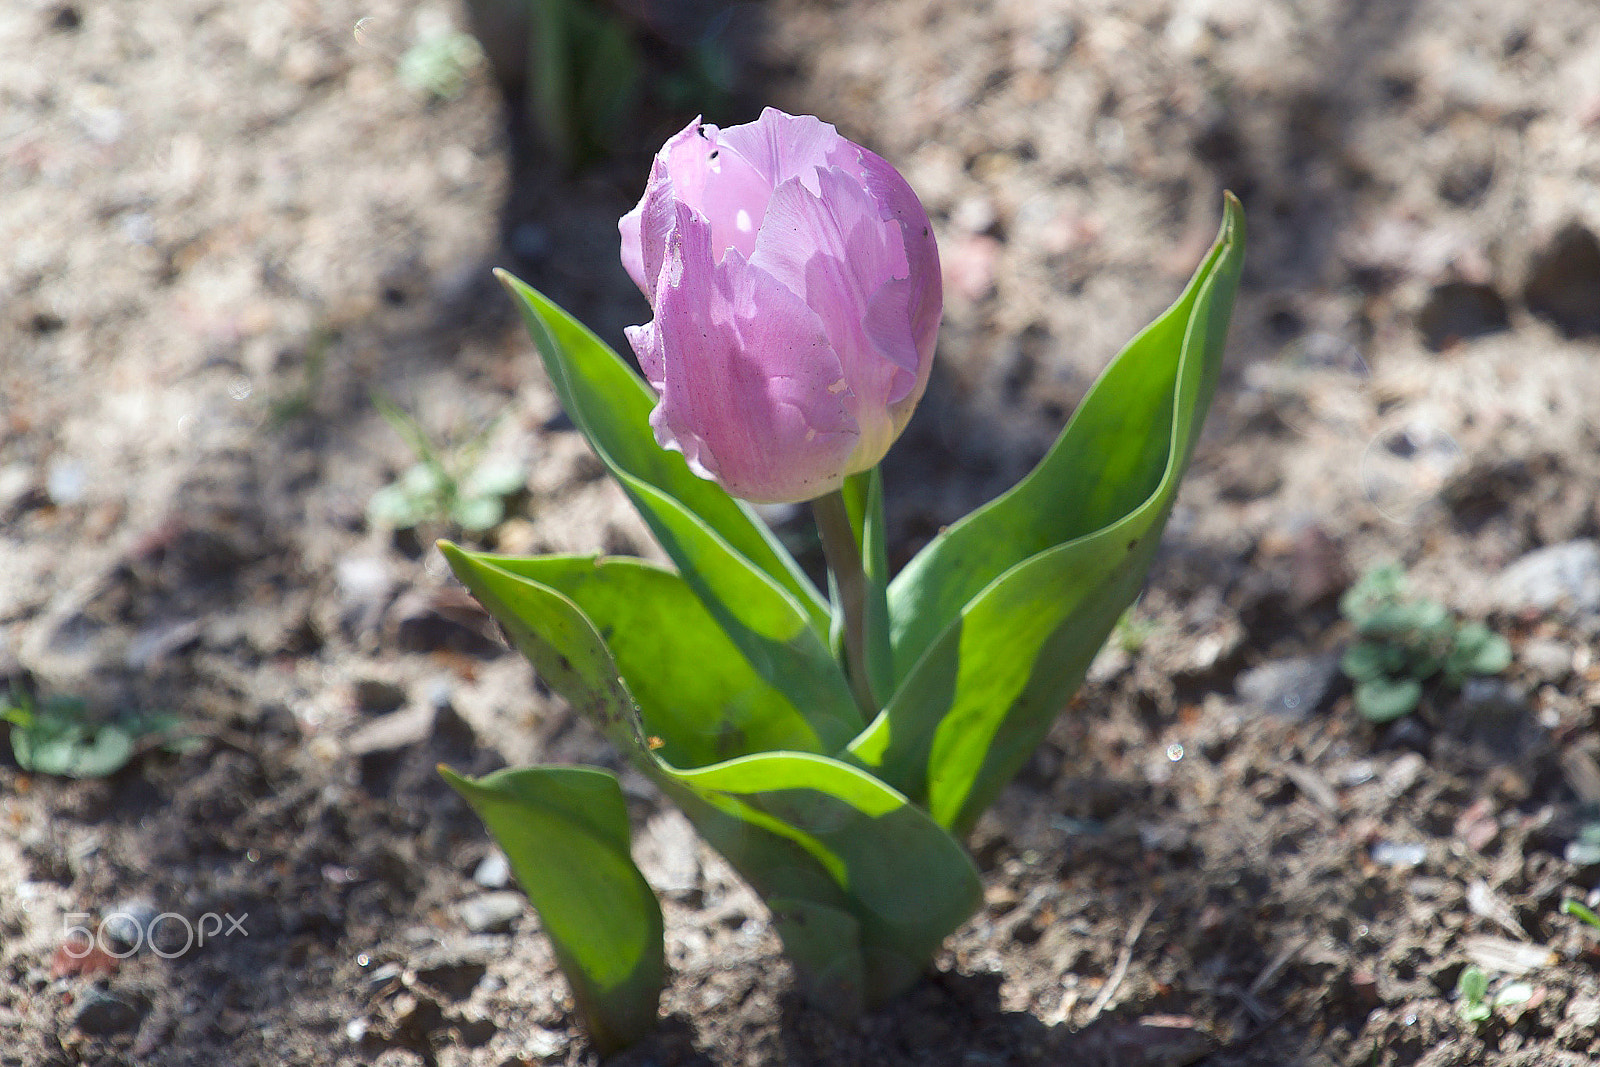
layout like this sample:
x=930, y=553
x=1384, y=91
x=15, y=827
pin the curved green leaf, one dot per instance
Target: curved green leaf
x=1385, y=699
x=611, y=406
x=1004, y=611
x=565, y=832
x=798, y=826
x=1129, y=438
x=904, y=880
x=694, y=688
x=759, y=616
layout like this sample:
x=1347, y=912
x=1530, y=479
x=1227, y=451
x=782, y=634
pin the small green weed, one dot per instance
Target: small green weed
x=1573, y=908
x=301, y=401
x=438, y=64
x=454, y=486
x=1404, y=642
x=60, y=737
x=1473, y=1002
x=1132, y=631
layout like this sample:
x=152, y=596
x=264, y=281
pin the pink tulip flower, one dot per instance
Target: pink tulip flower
x=796, y=290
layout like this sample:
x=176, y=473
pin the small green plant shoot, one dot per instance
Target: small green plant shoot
x=446, y=486
x=60, y=737
x=1404, y=642
x=1580, y=911
x=1473, y=1002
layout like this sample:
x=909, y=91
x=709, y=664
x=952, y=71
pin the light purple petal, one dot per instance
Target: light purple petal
x=751, y=392
x=835, y=251
x=646, y=343
x=781, y=146
x=631, y=228
x=897, y=200
x=658, y=215
x=718, y=185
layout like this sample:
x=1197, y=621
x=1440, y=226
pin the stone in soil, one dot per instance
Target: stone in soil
x=454, y=968
x=493, y=871
x=128, y=924
x=1294, y=688
x=1493, y=713
x=1460, y=311
x=1547, y=660
x=491, y=913
x=1564, y=576
x=375, y=694
x=443, y=620
x=1564, y=282
x=366, y=584
x=101, y=1013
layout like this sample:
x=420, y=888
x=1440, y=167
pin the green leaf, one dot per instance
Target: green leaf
x=823, y=943
x=760, y=617
x=608, y=72
x=996, y=621
x=1483, y=652
x=1365, y=660
x=559, y=640
x=747, y=580
x=58, y=737
x=694, y=688
x=1386, y=699
x=72, y=751
x=1572, y=907
x=797, y=826
x=478, y=513
x=1381, y=584
x=806, y=828
x=1472, y=990
x=1132, y=433
x=610, y=405
x=565, y=832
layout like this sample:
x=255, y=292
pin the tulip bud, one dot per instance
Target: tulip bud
x=796, y=290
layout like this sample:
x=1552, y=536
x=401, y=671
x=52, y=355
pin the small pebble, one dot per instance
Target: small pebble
x=1549, y=661
x=1392, y=854
x=1563, y=576
x=383, y=975
x=491, y=913
x=375, y=694
x=1403, y=773
x=127, y=926
x=493, y=871
x=100, y=1014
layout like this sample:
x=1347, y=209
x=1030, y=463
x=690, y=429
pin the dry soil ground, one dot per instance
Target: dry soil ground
x=224, y=227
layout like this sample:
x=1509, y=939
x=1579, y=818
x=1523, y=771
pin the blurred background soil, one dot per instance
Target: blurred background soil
x=229, y=232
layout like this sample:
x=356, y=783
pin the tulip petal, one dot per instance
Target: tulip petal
x=695, y=168
x=833, y=249
x=760, y=406
x=781, y=146
x=898, y=201
x=657, y=217
x=631, y=228
x=646, y=342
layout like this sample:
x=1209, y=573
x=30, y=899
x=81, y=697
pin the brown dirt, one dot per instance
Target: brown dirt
x=225, y=226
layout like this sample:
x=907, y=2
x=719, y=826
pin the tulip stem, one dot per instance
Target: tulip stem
x=850, y=578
